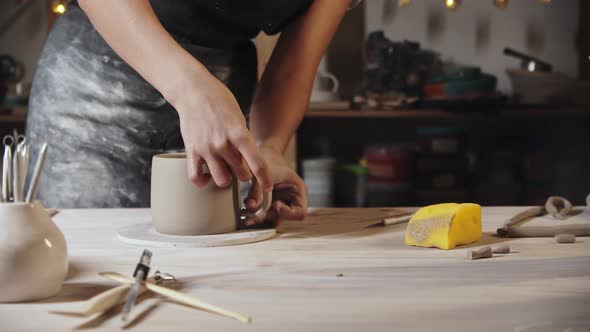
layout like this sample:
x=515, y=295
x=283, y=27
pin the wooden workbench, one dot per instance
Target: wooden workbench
x=352, y=280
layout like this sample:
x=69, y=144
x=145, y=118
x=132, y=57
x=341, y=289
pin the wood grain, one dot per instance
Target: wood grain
x=292, y=282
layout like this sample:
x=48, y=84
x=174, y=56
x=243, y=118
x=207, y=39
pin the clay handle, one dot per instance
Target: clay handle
x=266, y=201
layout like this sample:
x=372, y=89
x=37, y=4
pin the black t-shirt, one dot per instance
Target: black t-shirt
x=226, y=22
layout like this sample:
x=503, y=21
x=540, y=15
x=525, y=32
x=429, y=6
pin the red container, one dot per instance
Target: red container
x=390, y=163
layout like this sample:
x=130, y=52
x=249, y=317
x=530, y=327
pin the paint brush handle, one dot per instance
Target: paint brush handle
x=24, y=166
x=34, y=184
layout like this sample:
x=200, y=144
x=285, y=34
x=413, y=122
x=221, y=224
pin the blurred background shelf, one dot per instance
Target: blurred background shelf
x=437, y=113
x=16, y=116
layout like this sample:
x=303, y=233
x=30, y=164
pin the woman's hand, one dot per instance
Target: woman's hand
x=215, y=133
x=289, y=192
x=213, y=128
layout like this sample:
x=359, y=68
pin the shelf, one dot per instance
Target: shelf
x=12, y=118
x=18, y=115
x=434, y=113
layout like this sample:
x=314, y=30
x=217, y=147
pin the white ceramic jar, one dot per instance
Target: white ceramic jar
x=33, y=253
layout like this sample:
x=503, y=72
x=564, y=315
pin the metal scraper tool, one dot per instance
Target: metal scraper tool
x=141, y=272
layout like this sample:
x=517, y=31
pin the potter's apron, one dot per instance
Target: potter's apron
x=103, y=121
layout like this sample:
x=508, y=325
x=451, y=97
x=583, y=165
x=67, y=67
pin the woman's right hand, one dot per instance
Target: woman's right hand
x=213, y=128
x=215, y=133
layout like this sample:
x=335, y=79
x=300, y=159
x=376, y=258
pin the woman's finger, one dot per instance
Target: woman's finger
x=219, y=171
x=270, y=219
x=234, y=160
x=293, y=211
x=195, y=170
x=245, y=144
x=254, y=198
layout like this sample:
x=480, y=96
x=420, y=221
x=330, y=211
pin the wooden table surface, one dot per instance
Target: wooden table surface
x=292, y=282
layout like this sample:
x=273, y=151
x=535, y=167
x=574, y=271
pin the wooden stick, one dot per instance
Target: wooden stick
x=100, y=302
x=34, y=184
x=397, y=220
x=524, y=215
x=180, y=297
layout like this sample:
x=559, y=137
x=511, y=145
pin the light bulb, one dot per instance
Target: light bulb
x=60, y=8
x=403, y=3
x=452, y=4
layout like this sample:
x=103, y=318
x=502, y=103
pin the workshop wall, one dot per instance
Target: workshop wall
x=477, y=31
x=24, y=39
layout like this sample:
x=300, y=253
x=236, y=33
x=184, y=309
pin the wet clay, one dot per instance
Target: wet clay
x=565, y=238
x=420, y=229
x=504, y=249
x=483, y=252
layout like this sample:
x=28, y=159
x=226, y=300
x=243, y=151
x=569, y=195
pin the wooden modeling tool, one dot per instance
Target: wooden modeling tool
x=397, y=220
x=178, y=296
x=34, y=184
x=558, y=208
x=110, y=298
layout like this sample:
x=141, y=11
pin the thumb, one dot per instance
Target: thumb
x=254, y=198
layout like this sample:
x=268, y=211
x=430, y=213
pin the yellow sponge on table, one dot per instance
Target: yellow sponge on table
x=445, y=226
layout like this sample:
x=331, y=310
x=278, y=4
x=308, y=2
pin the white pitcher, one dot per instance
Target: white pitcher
x=33, y=253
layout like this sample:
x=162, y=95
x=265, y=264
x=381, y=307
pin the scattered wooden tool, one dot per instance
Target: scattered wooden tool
x=105, y=300
x=558, y=208
x=397, y=220
x=134, y=286
x=177, y=296
x=565, y=238
x=483, y=252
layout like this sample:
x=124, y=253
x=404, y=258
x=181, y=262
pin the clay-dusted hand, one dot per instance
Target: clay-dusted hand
x=289, y=193
x=215, y=133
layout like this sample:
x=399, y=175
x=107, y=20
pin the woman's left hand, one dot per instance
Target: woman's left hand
x=289, y=194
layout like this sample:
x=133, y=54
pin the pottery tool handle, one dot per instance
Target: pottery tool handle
x=34, y=184
x=16, y=169
x=179, y=297
x=524, y=215
x=24, y=166
x=101, y=302
x=397, y=220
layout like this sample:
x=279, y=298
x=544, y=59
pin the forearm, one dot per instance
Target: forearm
x=283, y=93
x=134, y=32
x=277, y=112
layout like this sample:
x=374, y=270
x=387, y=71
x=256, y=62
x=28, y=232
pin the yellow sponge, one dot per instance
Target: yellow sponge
x=445, y=226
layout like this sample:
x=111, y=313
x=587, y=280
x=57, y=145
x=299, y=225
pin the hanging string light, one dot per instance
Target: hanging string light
x=452, y=4
x=502, y=4
x=59, y=7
